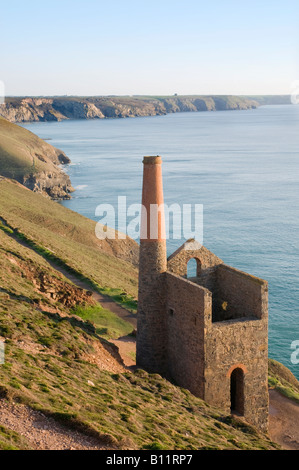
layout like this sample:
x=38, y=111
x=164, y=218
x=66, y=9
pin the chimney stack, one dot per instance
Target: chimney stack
x=151, y=340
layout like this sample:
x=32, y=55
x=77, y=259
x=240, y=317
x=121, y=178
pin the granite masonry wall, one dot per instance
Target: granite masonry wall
x=238, y=344
x=187, y=304
x=237, y=295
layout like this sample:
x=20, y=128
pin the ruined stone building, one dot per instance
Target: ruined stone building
x=209, y=333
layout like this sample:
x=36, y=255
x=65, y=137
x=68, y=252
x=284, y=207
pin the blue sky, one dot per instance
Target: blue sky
x=96, y=47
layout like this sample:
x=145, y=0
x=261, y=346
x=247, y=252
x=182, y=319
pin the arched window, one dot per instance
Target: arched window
x=237, y=391
x=193, y=268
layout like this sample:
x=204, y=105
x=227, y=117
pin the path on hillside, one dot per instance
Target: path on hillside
x=283, y=421
x=127, y=344
x=104, y=300
x=44, y=433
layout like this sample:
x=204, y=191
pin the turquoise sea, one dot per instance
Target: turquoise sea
x=243, y=166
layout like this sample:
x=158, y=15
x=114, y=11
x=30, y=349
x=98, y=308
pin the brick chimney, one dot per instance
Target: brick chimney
x=151, y=328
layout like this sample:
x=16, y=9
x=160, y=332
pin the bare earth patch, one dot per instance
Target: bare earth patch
x=284, y=421
x=127, y=349
x=42, y=432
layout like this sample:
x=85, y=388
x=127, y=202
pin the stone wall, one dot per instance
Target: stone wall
x=177, y=262
x=187, y=307
x=238, y=344
x=230, y=332
x=237, y=295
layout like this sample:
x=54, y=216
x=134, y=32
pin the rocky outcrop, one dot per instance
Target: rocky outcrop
x=68, y=109
x=33, y=162
x=55, y=185
x=57, y=290
x=30, y=109
x=207, y=103
x=57, y=109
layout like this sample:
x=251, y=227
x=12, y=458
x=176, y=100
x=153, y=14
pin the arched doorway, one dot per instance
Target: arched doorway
x=193, y=268
x=237, y=391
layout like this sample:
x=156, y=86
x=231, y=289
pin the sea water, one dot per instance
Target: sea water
x=242, y=166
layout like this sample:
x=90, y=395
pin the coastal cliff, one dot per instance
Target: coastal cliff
x=60, y=108
x=33, y=162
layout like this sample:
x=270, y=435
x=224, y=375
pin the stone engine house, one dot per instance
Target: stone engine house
x=208, y=333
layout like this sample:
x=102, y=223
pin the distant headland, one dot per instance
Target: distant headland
x=58, y=108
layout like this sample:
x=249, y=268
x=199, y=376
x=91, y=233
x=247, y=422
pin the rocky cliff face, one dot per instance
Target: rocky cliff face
x=55, y=185
x=57, y=109
x=51, y=181
x=33, y=162
x=30, y=109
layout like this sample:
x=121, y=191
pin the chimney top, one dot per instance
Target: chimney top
x=156, y=160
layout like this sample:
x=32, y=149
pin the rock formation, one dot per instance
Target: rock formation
x=33, y=162
x=57, y=109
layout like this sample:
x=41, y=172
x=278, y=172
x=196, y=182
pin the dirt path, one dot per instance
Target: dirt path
x=127, y=349
x=43, y=433
x=104, y=300
x=283, y=421
x=126, y=344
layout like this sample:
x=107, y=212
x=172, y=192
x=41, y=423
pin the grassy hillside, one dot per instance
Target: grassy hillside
x=22, y=152
x=32, y=161
x=68, y=237
x=283, y=380
x=11, y=440
x=59, y=363
x=269, y=100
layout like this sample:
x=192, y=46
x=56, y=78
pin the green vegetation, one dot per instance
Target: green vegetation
x=11, y=440
x=108, y=325
x=269, y=100
x=15, y=157
x=33, y=162
x=125, y=300
x=5, y=228
x=57, y=362
x=23, y=153
x=69, y=239
x=58, y=358
x=130, y=410
x=282, y=379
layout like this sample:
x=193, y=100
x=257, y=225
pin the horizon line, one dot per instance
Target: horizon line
x=174, y=95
